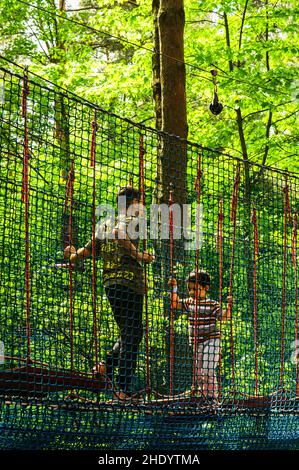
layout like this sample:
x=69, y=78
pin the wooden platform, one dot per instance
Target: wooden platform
x=32, y=380
x=38, y=381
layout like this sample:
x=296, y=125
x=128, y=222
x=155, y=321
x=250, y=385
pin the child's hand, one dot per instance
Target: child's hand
x=172, y=282
x=68, y=251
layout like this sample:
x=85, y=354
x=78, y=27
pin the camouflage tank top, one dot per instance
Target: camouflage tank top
x=118, y=266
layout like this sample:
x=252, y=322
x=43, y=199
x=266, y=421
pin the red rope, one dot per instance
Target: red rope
x=234, y=203
x=69, y=188
x=141, y=170
x=142, y=193
x=69, y=199
x=93, y=141
x=287, y=216
x=233, y=215
x=255, y=257
x=25, y=93
x=286, y=191
x=294, y=242
x=25, y=200
x=197, y=254
x=220, y=252
x=219, y=240
x=171, y=320
x=295, y=266
x=93, y=246
x=67, y=235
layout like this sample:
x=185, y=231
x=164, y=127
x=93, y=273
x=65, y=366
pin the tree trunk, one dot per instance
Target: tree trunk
x=171, y=21
x=171, y=117
x=69, y=231
x=156, y=68
x=170, y=96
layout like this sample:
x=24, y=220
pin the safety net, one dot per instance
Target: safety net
x=149, y=285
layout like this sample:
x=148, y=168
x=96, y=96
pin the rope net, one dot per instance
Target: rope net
x=102, y=339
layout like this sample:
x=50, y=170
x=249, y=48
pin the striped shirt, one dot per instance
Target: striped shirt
x=208, y=311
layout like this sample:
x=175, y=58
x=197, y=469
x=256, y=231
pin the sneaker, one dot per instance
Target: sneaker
x=123, y=397
x=99, y=373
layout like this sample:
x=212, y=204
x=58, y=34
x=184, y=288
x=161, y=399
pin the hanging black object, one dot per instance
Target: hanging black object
x=215, y=107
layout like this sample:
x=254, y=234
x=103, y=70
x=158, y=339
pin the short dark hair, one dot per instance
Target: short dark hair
x=202, y=278
x=129, y=193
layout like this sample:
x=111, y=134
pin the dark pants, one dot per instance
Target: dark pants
x=127, y=310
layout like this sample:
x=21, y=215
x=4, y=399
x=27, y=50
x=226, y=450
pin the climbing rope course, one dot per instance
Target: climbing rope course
x=105, y=344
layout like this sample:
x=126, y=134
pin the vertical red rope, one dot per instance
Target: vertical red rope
x=70, y=194
x=171, y=319
x=197, y=254
x=25, y=200
x=255, y=325
x=93, y=141
x=93, y=245
x=220, y=252
x=68, y=203
x=233, y=217
x=287, y=214
x=142, y=193
x=295, y=266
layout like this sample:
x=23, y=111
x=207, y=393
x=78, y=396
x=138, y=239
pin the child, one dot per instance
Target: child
x=209, y=311
x=123, y=281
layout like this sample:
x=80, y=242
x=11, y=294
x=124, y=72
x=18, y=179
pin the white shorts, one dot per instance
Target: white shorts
x=208, y=355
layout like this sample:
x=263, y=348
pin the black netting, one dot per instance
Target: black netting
x=97, y=351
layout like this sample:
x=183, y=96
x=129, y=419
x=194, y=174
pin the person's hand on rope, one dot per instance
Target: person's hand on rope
x=176, y=303
x=228, y=313
x=172, y=282
x=145, y=257
x=77, y=256
x=69, y=251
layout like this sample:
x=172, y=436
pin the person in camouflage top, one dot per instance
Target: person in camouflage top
x=123, y=280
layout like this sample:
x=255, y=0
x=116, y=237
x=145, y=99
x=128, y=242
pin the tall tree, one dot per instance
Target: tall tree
x=253, y=45
x=169, y=91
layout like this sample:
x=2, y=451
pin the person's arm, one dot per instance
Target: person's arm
x=124, y=241
x=176, y=302
x=227, y=314
x=74, y=255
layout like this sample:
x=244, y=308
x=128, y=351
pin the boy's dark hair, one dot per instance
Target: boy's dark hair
x=129, y=193
x=202, y=277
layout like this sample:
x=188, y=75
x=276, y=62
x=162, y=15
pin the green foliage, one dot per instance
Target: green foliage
x=255, y=62
x=117, y=76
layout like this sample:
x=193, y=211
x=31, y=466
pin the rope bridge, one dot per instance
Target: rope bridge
x=65, y=381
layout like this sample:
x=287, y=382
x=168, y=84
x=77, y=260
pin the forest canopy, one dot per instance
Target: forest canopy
x=102, y=50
